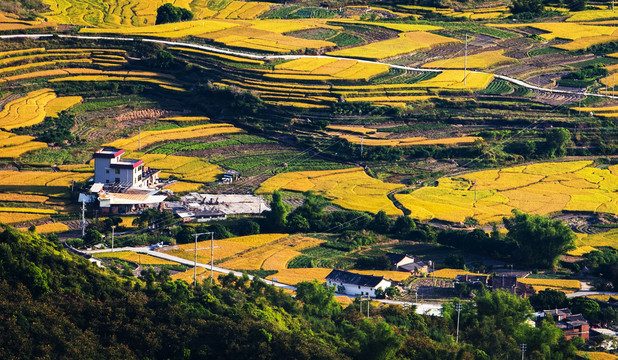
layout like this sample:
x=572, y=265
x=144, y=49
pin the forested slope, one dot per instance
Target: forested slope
x=56, y=305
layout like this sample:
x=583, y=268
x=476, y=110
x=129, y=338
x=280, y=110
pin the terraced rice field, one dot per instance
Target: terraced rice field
x=353, y=129
x=350, y=188
x=191, y=132
x=45, y=183
x=33, y=108
x=597, y=355
x=226, y=248
x=414, y=141
x=406, y=43
x=202, y=275
x=542, y=188
x=130, y=13
x=8, y=22
x=223, y=57
x=14, y=218
x=451, y=273
x=606, y=111
x=477, y=61
x=556, y=284
x=586, y=243
x=49, y=228
x=581, y=36
x=247, y=34
x=143, y=259
x=181, y=186
x=309, y=91
x=325, y=68
x=13, y=146
x=274, y=256
x=189, y=169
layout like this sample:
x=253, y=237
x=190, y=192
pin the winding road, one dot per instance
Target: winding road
x=291, y=57
x=421, y=308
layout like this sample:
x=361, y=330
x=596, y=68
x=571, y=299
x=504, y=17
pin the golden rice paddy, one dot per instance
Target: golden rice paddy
x=542, y=188
x=406, y=43
x=349, y=188
x=191, y=132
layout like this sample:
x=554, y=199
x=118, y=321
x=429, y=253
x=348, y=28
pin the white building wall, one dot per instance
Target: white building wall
x=355, y=290
x=101, y=165
x=106, y=174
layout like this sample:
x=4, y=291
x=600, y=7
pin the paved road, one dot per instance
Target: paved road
x=421, y=308
x=290, y=57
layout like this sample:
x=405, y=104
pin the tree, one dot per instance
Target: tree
x=220, y=231
x=92, y=237
x=380, y=223
x=185, y=235
x=276, y=218
x=548, y=299
x=248, y=227
x=169, y=13
x=539, y=241
x=404, y=226
x=534, y=7
x=298, y=223
x=577, y=5
x=587, y=307
x=164, y=60
x=318, y=299
x=455, y=261
x=556, y=141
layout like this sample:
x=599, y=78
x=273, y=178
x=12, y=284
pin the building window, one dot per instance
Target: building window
x=107, y=171
x=117, y=180
x=359, y=286
x=117, y=171
x=107, y=181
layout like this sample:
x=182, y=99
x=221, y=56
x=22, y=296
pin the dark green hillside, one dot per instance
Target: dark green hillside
x=54, y=305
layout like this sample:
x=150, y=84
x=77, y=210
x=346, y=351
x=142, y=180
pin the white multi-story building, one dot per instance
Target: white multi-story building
x=123, y=185
x=110, y=168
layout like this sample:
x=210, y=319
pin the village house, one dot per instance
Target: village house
x=510, y=284
x=110, y=168
x=407, y=263
x=122, y=185
x=350, y=283
x=572, y=324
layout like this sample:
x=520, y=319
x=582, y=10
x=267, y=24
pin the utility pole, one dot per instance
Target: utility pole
x=83, y=217
x=212, y=234
x=523, y=350
x=212, y=255
x=466, y=62
x=458, y=308
x=362, y=139
x=361, y=304
x=113, y=227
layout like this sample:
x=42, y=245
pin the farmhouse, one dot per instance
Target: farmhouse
x=572, y=324
x=407, y=263
x=110, y=168
x=356, y=284
x=122, y=185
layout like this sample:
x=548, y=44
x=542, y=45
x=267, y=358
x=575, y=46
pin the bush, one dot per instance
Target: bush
x=169, y=13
